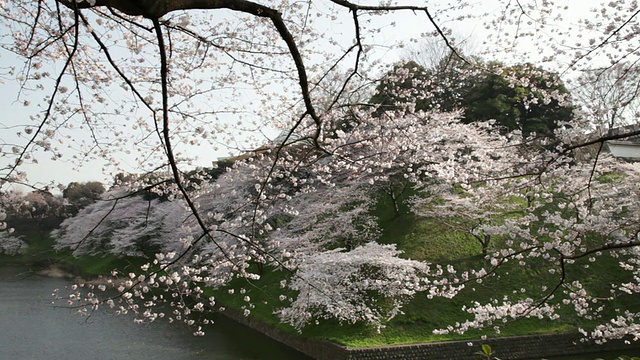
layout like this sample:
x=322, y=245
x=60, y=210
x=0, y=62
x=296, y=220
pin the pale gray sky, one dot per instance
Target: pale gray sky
x=407, y=25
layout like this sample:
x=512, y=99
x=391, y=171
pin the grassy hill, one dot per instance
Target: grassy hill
x=420, y=239
x=432, y=241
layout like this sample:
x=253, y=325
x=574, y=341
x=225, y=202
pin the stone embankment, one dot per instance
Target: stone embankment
x=55, y=272
x=507, y=348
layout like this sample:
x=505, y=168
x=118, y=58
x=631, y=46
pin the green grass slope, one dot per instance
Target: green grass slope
x=429, y=240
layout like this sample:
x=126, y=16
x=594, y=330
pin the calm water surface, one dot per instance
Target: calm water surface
x=30, y=328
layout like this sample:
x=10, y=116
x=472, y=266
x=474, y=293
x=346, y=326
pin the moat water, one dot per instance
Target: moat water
x=31, y=328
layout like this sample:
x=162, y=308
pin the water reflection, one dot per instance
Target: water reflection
x=30, y=328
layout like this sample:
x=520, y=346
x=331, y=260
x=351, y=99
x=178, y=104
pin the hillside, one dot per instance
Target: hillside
x=432, y=241
x=425, y=318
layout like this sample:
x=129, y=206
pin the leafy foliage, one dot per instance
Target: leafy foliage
x=519, y=97
x=80, y=195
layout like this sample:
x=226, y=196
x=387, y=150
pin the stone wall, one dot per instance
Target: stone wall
x=512, y=348
x=506, y=348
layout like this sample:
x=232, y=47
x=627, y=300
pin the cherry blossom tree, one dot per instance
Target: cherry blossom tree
x=40, y=204
x=575, y=221
x=121, y=224
x=469, y=212
x=12, y=245
x=339, y=284
x=153, y=80
x=610, y=96
x=310, y=201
